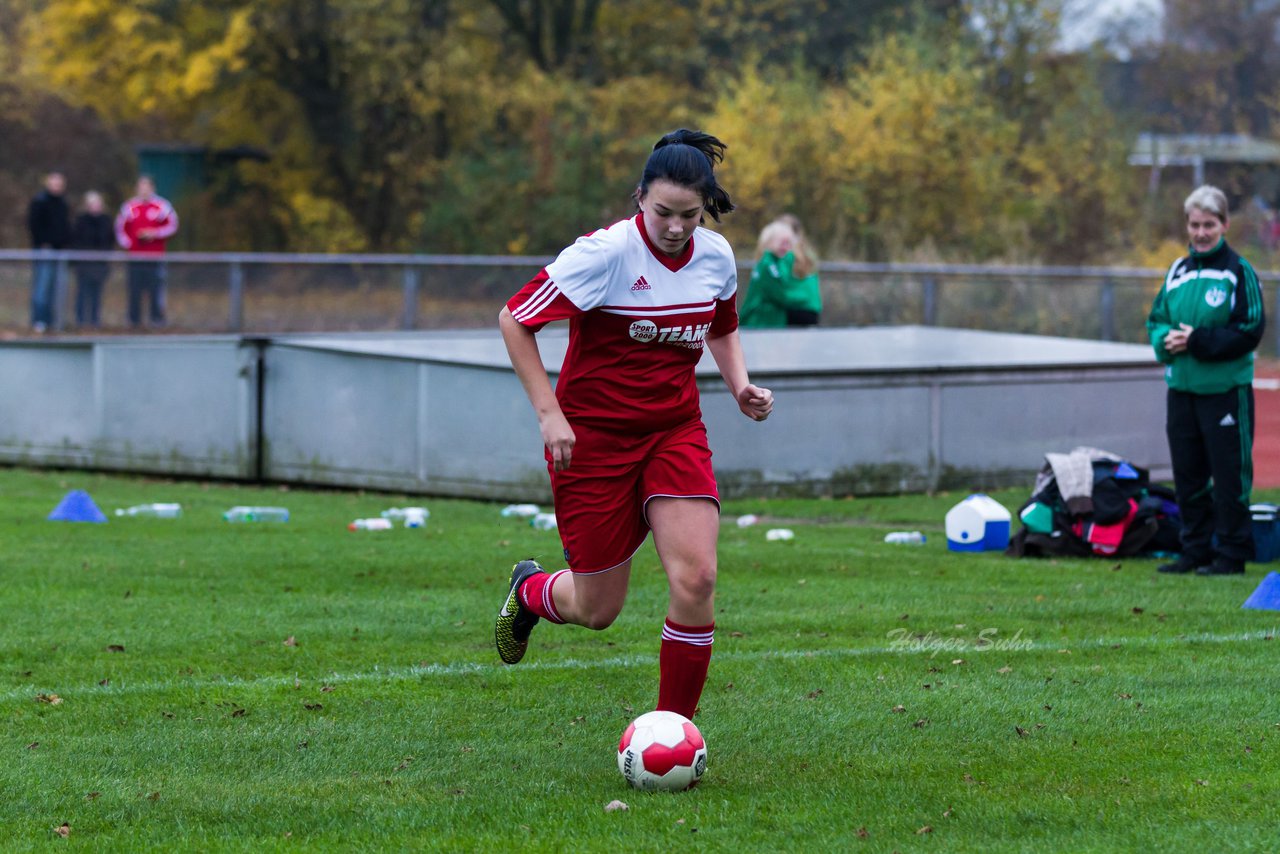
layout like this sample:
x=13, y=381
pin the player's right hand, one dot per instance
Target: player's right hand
x=558, y=436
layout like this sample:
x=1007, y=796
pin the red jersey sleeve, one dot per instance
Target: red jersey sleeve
x=726, y=319
x=540, y=302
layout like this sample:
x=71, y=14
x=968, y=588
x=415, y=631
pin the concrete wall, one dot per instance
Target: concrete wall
x=180, y=406
x=858, y=410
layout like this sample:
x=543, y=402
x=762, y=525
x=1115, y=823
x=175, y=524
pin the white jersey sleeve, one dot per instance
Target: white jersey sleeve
x=582, y=271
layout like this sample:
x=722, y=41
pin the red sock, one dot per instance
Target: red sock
x=682, y=666
x=535, y=594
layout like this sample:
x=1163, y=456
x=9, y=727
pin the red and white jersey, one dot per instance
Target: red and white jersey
x=637, y=322
x=154, y=215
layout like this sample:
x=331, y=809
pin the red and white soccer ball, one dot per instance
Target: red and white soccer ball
x=662, y=751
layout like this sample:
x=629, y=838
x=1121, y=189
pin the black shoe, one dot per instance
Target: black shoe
x=1222, y=566
x=515, y=622
x=1182, y=566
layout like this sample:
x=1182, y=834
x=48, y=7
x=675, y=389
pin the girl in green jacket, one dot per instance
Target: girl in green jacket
x=784, y=289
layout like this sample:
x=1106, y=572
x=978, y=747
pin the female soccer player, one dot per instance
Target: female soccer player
x=625, y=444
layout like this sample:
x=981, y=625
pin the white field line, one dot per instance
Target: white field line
x=417, y=671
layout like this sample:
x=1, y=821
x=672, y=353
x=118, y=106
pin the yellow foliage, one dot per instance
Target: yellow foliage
x=1157, y=256
x=397, y=123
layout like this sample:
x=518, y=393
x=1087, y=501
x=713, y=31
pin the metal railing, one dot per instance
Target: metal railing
x=284, y=292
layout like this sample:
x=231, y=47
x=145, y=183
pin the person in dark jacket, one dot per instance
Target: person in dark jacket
x=49, y=221
x=94, y=231
x=1205, y=324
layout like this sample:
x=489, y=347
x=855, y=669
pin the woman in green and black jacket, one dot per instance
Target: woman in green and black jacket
x=1205, y=324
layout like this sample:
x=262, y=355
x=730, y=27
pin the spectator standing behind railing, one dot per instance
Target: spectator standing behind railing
x=143, y=225
x=92, y=231
x=49, y=222
x=784, y=288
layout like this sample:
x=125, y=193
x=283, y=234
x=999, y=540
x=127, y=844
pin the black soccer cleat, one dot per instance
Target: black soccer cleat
x=515, y=622
x=1183, y=565
x=1222, y=566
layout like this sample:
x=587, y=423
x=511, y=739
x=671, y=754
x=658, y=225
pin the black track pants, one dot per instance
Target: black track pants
x=1211, y=443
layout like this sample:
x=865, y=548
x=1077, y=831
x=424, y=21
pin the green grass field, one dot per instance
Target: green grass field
x=293, y=687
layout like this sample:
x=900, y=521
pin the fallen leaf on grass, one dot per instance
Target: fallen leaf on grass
x=104, y=683
x=897, y=710
x=863, y=833
x=921, y=724
x=405, y=763
x=326, y=689
x=153, y=796
x=1022, y=733
x=51, y=699
x=615, y=805
x=1125, y=696
x=312, y=707
x=928, y=828
x=813, y=695
x=1005, y=669
x=93, y=796
x=1202, y=782
x=736, y=635
x=289, y=641
x=33, y=745
x=115, y=647
x=949, y=812
x=1137, y=610
x=63, y=830
x=239, y=713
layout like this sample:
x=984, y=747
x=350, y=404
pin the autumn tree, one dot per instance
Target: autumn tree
x=1216, y=67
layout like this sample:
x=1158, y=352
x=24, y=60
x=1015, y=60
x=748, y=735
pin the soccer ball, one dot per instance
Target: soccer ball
x=662, y=751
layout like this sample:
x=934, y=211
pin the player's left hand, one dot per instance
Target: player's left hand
x=756, y=403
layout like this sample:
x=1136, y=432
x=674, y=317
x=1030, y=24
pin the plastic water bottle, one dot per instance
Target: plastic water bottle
x=159, y=511
x=544, y=521
x=413, y=517
x=377, y=524
x=256, y=514
x=523, y=511
x=905, y=538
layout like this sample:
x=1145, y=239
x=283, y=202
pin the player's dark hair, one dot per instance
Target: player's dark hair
x=688, y=158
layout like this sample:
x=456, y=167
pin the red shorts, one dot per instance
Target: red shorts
x=600, y=499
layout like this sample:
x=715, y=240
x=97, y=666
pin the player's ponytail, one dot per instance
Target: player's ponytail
x=688, y=158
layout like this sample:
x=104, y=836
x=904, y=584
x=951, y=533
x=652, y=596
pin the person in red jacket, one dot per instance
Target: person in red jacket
x=143, y=225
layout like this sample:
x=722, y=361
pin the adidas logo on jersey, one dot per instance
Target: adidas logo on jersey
x=641, y=284
x=645, y=331
x=1227, y=421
